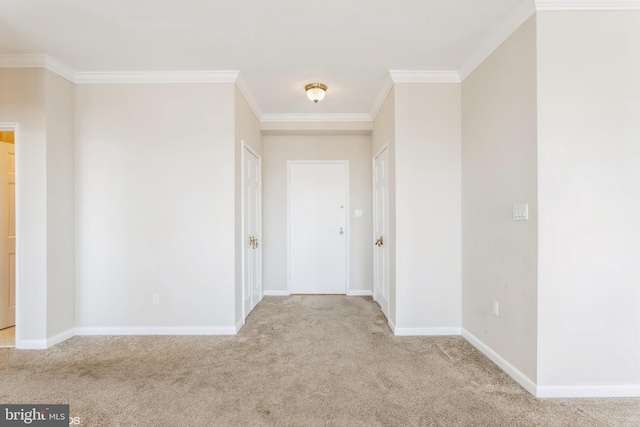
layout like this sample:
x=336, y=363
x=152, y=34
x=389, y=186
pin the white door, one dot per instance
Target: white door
x=7, y=236
x=252, y=286
x=381, y=230
x=318, y=227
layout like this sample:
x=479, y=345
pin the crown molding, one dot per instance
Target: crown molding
x=545, y=5
x=38, y=61
x=243, y=87
x=346, y=117
x=406, y=76
x=157, y=77
x=381, y=97
x=511, y=23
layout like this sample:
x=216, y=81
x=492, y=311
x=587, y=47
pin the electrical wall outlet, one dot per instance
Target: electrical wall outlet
x=156, y=298
x=495, y=308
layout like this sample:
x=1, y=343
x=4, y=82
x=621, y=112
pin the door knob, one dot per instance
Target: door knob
x=341, y=230
x=379, y=242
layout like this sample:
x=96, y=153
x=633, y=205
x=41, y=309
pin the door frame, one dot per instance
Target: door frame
x=347, y=219
x=384, y=146
x=250, y=149
x=15, y=128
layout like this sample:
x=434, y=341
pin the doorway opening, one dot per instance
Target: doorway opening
x=7, y=235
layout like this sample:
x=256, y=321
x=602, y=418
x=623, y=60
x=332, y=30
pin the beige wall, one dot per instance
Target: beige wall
x=155, y=207
x=499, y=169
x=384, y=132
x=22, y=100
x=61, y=293
x=427, y=204
x=276, y=151
x=589, y=186
x=247, y=131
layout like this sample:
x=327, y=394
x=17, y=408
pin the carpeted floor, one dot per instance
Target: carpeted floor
x=299, y=361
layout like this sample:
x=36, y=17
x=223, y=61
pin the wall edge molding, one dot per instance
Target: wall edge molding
x=589, y=391
x=359, y=293
x=244, y=89
x=157, y=330
x=387, y=85
x=239, y=325
x=62, y=336
x=126, y=77
x=502, y=363
x=427, y=332
x=498, y=36
x=343, y=117
x=425, y=76
x=568, y=5
x=31, y=344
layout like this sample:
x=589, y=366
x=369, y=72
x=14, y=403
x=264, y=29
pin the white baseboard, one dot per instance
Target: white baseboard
x=157, y=330
x=391, y=325
x=511, y=370
x=277, y=293
x=361, y=293
x=239, y=325
x=63, y=336
x=415, y=332
x=31, y=344
x=632, y=390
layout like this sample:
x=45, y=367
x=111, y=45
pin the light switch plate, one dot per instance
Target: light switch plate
x=357, y=213
x=521, y=212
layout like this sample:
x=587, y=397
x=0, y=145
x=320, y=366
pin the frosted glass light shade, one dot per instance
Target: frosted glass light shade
x=315, y=91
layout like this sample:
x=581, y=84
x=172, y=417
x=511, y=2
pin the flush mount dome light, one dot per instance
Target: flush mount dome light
x=315, y=91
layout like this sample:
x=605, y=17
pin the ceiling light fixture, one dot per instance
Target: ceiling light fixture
x=315, y=91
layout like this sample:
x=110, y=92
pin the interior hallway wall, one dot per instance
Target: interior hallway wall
x=155, y=207
x=499, y=169
x=276, y=151
x=61, y=254
x=427, y=208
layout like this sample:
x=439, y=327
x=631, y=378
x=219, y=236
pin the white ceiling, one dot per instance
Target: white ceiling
x=277, y=46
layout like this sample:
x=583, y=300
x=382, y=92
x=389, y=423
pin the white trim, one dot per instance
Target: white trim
x=63, y=336
x=277, y=293
x=503, y=31
x=587, y=5
x=31, y=344
x=157, y=330
x=60, y=69
x=502, y=363
x=239, y=325
x=631, y=390
x=381, y=97
x=243, y=87
x=355, y=117
x=426, y=76
x=346, y=213
x=426, y=332
x=392, y=325
x=38, y=61
x=359, y=293
x=157, y=77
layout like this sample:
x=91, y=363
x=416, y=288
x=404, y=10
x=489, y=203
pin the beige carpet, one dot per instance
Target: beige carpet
x=299, y=361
